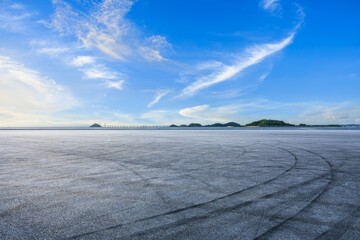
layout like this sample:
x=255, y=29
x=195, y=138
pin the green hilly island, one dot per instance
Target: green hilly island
x=268, y=123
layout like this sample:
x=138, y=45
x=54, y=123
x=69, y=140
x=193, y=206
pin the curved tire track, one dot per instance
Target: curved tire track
x=200, y=205
x=331, y=173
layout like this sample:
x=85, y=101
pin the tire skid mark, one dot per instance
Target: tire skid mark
x=338, y=229
x=223, y=210
x=271, y=195
x=260, y=213
x=14, y=209
x=211, y=186
x=221, y=198
x=146, y=181
x=275, y=215
x=159, y=194
x=330, y=172
x=199, y=205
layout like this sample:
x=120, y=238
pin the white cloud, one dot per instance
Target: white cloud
x=262, y=77
x=231, y=93
x=38, y=42
x=209, y=65
x=52, y=51
x=226, y=113
x=189, y=112
x=151, y=54
x=117, y=85
x=207, y=113
x=254, y=55
x=25, y=93
x=159, y=94
x=103, y=28
x=17, y=6
x=92, y=70
x=14, y=21
x=96, y=72
x=345, y=112
x=270, y=5
x=300, y=12
x=150, y=49
x=80, y=61
x=106, y=28
x=158, y=42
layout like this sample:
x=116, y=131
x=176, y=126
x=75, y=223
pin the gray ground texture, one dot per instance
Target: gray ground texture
x=180, y=184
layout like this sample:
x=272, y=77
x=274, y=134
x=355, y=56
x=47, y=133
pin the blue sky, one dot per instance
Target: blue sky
x=72, y=63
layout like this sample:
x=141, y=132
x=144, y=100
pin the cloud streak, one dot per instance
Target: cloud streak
x=117, y=85
x=270, y=5
x=159, y=94
x=34, y=93
x=254, y=55
x=14, y=18
x=223, y=113
x=80, y=61
x=92, y=70
x=98, y=73
x=53, y=51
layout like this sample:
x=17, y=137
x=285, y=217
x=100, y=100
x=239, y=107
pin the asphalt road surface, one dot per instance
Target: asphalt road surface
x=180, y=184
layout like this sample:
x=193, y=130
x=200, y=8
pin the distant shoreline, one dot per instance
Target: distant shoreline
x=184, y=128
x=260, y=123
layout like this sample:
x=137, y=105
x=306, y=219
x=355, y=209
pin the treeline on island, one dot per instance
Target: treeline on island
x=260, y=123
x=229, y=124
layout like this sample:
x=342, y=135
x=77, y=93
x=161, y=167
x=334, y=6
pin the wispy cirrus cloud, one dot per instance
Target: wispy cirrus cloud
x=222, y=113
x=214, y=72
x=198, y=113
x=53, y=51
x=17, y=6
x=270, y=5
x=343, y=112
x=15, y=18
x=151, y=54
x=152, y=47
x=115, y=84
x=80, y=61
x=96, y=72
x=158, y=95
x=90, y=66
x=34, y=93
x=106, y=28
x=92, y=70
x=157, y=41
x=253, y=55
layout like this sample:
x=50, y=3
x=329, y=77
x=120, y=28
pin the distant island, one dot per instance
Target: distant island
x=260, y=123
x=229, y=124
x=269, y=123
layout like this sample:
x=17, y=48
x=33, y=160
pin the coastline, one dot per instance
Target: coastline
x=182, y=128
